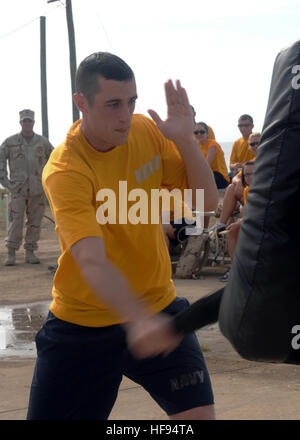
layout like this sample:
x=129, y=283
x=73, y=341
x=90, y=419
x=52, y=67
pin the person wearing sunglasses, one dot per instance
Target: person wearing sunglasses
x=240, y=152
x=253, y=142
x=174, y=232
x=211, y=134
x=213, y=153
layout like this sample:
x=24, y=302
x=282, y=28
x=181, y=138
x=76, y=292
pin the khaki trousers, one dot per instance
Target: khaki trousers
x=34, y=206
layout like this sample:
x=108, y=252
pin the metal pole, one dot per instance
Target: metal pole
x=44, y=102
x=72, y=50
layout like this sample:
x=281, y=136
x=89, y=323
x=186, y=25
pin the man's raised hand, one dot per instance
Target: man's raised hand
x=179, y=123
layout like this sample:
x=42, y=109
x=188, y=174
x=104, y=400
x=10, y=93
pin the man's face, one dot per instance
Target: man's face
x=245, y=127
x=107, y=120
x=27, y=125
x=248, y=172
x=253, y=143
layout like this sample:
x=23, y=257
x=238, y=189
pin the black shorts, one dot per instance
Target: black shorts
x=79, y=370
x=220, y=180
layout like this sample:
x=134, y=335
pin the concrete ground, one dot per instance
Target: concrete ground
x=243, y=390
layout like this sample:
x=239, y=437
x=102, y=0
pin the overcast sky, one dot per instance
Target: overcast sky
x=223, y=53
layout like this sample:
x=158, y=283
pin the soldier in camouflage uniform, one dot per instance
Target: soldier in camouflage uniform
x=26, y=154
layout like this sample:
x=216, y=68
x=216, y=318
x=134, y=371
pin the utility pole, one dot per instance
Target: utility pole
x=72, y=50
x=44, y=102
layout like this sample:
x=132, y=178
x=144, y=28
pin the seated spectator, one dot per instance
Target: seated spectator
x=253, y=142
x=175, y=233
x=234, y=228
x=211, y=134
x=234, y=193
x=240, y=150
x=214, y=155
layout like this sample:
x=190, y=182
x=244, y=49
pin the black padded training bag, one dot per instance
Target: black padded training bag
x=260, y=308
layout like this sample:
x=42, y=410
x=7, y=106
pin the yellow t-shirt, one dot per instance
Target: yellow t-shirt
x=241, y=152
x=246, y=190
x=211, y=134
x=218, y=164
x=72, y=178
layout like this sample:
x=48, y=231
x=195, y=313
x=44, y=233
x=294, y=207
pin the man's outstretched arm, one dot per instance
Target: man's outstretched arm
x=110, y=287
x=203, y=312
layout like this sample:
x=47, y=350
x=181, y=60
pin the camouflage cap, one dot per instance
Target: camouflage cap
x=26, y=114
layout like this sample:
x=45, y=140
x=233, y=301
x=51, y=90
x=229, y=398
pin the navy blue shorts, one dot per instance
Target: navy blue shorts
x=79, y=370
x=220, y=180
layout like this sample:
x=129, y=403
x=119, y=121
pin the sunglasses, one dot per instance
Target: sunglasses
x=252, y=144
x=199, y=132
x=243, y=125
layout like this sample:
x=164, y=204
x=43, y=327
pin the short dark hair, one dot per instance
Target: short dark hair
x=105, y=64
x=205, y=126
x=249, y=162
x=244, y=117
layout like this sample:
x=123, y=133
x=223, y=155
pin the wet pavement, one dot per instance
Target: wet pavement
x=18, y=327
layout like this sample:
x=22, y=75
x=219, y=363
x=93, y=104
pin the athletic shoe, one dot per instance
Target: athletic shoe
x=53, y=268
x=225, y=277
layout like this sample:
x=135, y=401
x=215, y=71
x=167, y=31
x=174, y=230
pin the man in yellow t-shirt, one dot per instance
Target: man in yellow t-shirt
x=234, y=228
x=114, y=274
x=240, y=152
